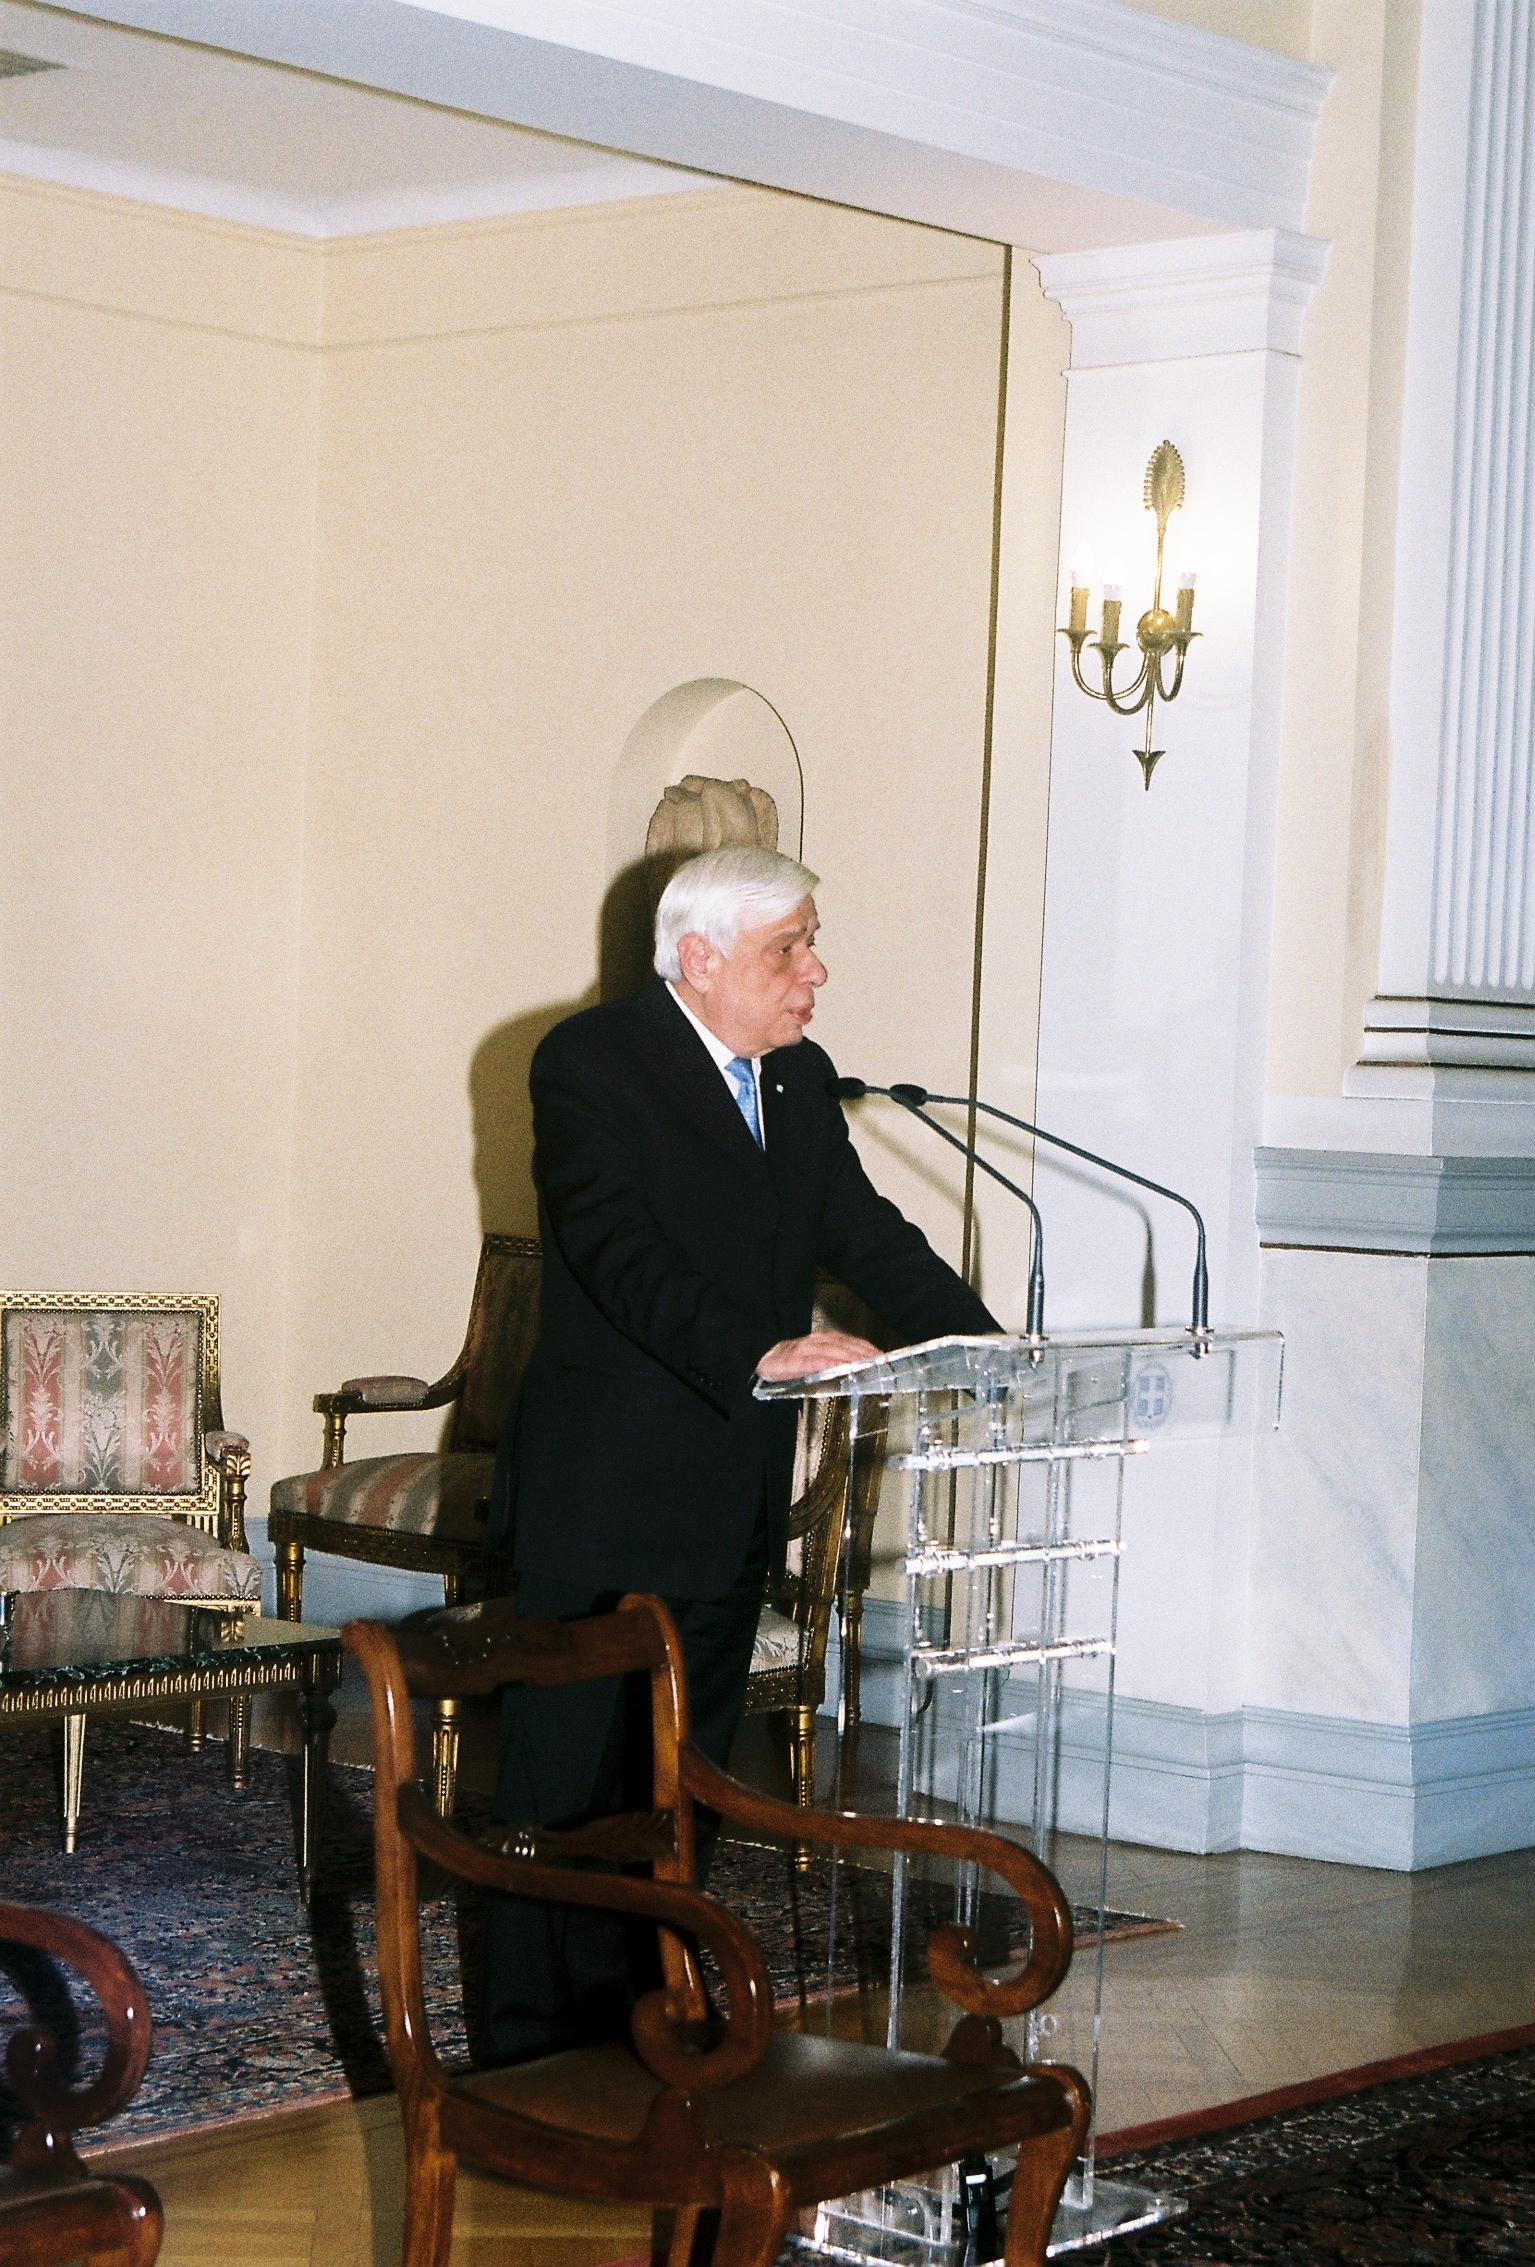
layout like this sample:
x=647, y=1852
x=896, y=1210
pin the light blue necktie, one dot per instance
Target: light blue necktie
x=739, y=1072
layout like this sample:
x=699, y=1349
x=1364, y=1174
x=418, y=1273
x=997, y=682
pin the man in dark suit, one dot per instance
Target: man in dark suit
x=692, y=1173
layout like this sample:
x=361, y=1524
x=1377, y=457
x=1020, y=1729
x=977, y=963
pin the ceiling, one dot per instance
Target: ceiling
x=141, y=116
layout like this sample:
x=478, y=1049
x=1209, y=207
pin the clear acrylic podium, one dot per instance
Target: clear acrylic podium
x=1015, y=1456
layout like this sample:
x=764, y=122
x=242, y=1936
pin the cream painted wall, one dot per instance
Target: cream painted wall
x=335, y=579
x=571, y=461
x=158, y=452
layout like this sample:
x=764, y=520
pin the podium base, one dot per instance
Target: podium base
x=922, y=2223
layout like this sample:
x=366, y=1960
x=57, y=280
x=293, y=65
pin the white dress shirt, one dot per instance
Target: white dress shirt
x=722, y=1055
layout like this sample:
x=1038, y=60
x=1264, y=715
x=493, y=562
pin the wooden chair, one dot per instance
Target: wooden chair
x=697, y=2113
x=52, y=2209
x=116, y=1473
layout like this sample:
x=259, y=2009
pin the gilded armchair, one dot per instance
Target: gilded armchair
x=421, y=1509
x=116, y=1472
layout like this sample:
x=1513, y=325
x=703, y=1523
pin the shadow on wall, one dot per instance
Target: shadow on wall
x=502, y=1114
x=500, y=1106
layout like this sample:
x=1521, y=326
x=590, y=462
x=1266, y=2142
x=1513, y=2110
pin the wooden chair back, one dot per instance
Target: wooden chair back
x=51, y=2208
x=476, y=1650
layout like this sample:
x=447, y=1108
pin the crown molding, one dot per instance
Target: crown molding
x=1197, y=295
x=614, y=181
x=974, y=115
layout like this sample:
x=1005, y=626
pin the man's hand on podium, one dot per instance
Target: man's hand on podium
x=817, y=1350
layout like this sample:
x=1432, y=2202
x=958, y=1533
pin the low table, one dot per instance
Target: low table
x=71, y=1653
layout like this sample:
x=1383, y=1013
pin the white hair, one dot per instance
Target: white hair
x=719, y=894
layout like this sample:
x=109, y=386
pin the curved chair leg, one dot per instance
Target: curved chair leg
x=431, y=2179
x=445, y=1757
x=74, y=1776
x=754, y=2219
x=290, y=1582
x=1041, y=2173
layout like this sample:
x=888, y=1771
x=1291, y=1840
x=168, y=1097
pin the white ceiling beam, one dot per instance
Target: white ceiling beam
x=1054, y=124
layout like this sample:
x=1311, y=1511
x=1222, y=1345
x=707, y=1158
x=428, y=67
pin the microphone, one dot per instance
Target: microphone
x=912, y=1098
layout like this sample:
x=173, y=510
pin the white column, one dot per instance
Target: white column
x=1455, y=1010
x=1389, y=1712
x=1157, y=932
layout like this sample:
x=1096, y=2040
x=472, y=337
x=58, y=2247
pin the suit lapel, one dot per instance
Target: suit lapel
x=694, y=1078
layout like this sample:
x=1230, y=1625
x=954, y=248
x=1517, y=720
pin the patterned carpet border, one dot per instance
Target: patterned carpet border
x=1433, y=2168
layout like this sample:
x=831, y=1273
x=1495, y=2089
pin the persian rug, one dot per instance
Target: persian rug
x=1432, y=2168
x=258, y=2005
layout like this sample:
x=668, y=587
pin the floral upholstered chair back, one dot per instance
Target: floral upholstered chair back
x=109, y=1401
x=110, y=1410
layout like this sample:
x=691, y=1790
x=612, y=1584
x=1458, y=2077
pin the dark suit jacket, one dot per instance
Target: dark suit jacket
x=676, y=1252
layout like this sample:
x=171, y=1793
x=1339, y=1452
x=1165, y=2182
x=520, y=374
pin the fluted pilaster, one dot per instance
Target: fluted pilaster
x=1457, y=982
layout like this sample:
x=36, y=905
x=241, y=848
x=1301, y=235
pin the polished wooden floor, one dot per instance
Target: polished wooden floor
x=1282, y=1971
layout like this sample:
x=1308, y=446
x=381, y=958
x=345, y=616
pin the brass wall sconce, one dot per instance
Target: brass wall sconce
x=1157, y=633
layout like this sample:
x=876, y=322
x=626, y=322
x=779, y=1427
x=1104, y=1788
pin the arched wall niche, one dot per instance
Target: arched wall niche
x=711, y=727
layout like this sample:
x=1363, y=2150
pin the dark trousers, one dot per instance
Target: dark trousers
x=566, y=1975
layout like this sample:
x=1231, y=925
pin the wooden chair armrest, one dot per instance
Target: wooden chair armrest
x=951, y=1949
x=690, y=2056
x=31, y=2061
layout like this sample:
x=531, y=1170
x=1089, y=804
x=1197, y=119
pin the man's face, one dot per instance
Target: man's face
x=762, y=993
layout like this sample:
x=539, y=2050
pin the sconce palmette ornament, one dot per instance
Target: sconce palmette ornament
x=1157, y=633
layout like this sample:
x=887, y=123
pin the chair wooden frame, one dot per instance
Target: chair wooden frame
x=53, y=2209
x=699, y=2114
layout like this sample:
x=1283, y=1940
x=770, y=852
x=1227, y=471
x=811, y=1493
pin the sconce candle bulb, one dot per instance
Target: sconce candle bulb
x=1158, y=634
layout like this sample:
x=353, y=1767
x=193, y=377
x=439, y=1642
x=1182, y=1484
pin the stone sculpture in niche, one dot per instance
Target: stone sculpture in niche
x=693, y=814
x=710, y=814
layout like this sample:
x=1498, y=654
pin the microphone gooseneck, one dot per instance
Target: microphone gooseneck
x=914, y=1097
x=911, y=1098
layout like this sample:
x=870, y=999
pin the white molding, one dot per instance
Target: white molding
x=1193, y=296
x=1353, y=1200
x=373, y=213
x=1305, y=1786
x=956, y=113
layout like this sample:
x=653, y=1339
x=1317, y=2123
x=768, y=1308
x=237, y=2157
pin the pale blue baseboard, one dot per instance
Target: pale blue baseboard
x=1398, y=1796
x=341, y=1590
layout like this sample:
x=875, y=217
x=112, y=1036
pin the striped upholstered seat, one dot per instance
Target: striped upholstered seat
x=445, y=1497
